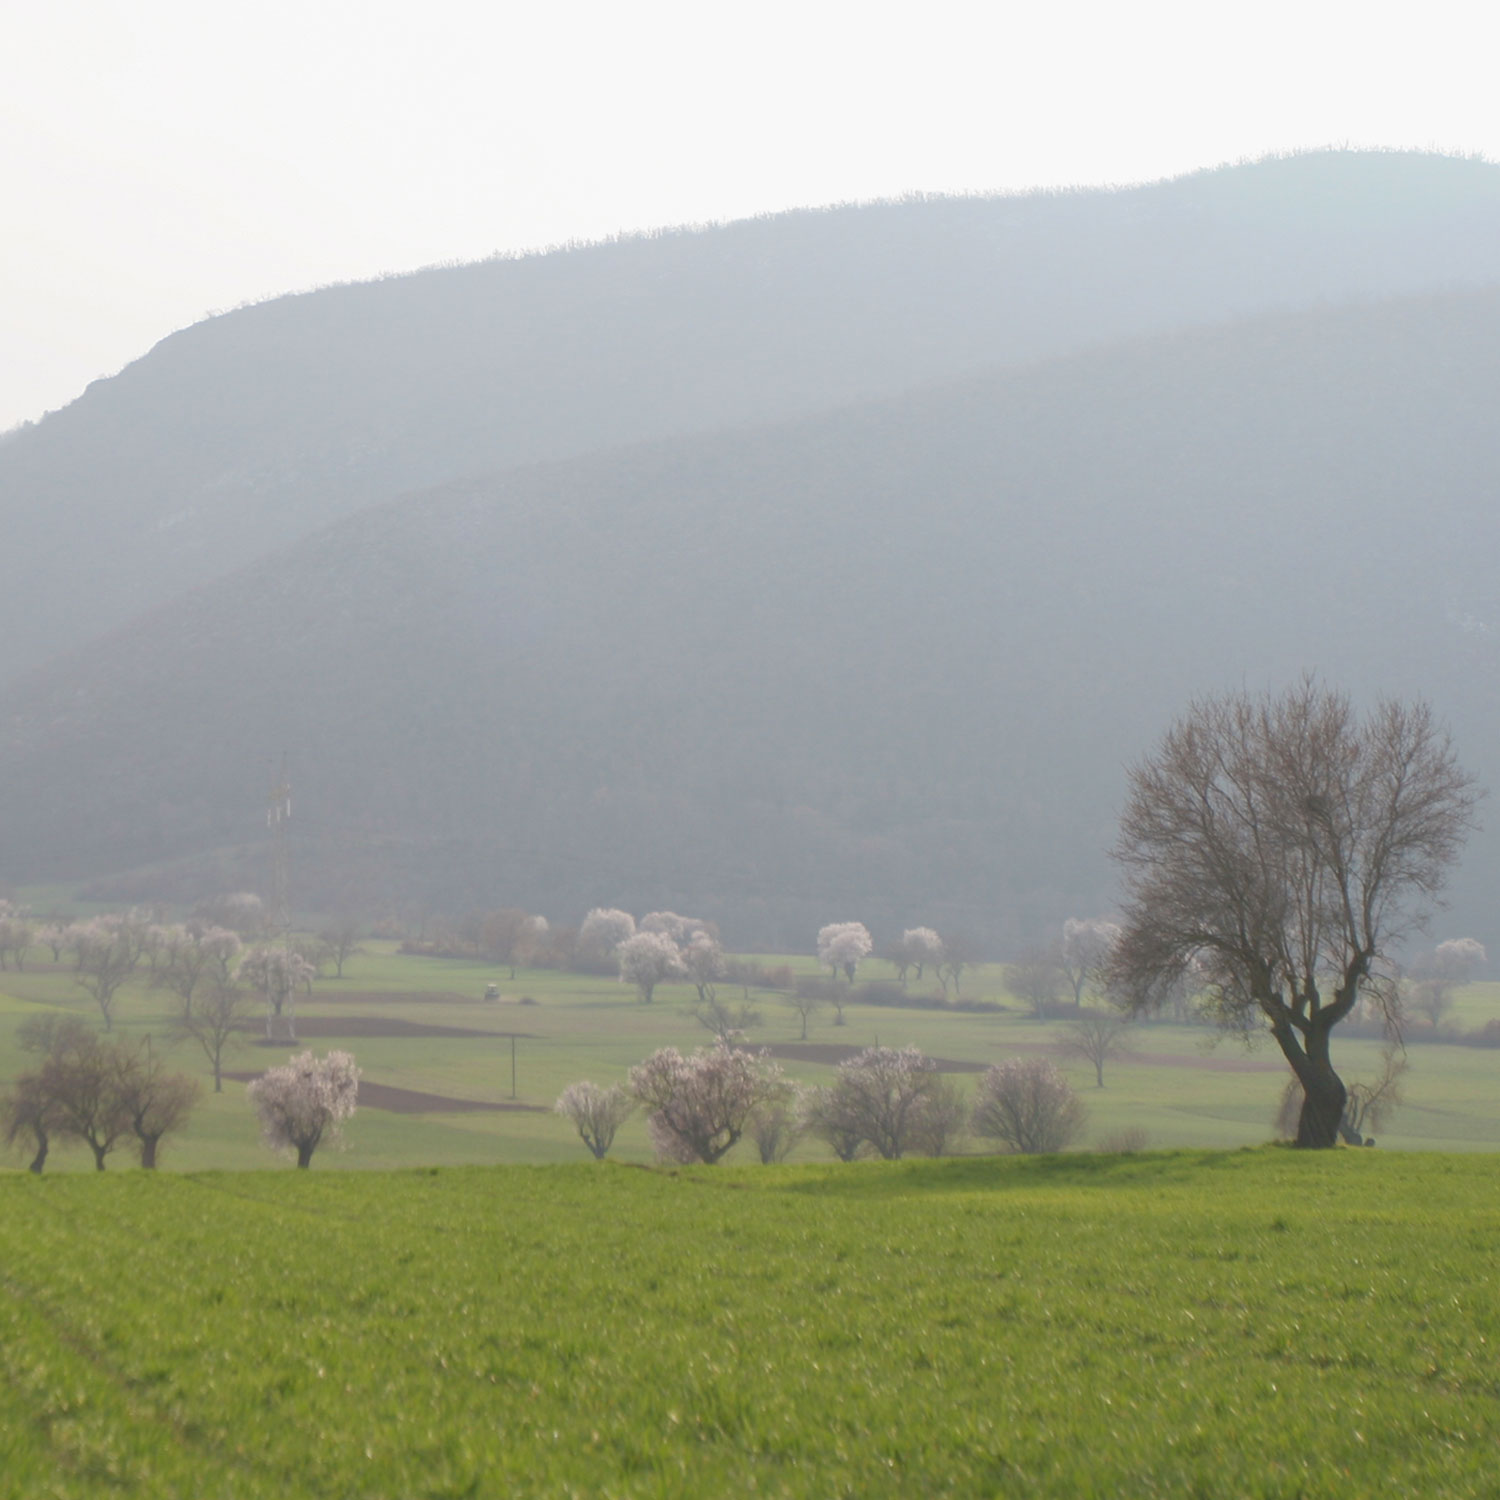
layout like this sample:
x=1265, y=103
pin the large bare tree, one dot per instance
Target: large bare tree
x=1285, y=847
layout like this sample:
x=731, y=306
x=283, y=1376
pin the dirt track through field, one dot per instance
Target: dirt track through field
x=833, y=1053
x=412, y=1102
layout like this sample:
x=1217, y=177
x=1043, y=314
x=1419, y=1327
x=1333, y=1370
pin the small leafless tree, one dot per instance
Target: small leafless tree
x=728, y=1020
x=27, y=1109
x=213, y=1018
x=957, y=953
x=154, y=1100
x=942, y=1121
x=1028, y=1106
x=829, y=1117
x=1037, y=980
x=1288, y=848
x=1098, y=1037
x=341, y=940
x=775, y=1127
x=596, y=1113
x=1084, y=952
x=806, y=1004
x=83, y=1083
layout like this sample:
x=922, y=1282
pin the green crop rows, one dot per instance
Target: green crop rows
x=1246, y=1323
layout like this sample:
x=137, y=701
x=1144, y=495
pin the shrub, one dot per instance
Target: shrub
x=1122, y=1142
x=596, y=1113
x=1028, y=1106
x=700, y=1104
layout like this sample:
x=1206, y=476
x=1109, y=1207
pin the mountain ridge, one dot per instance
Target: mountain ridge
x=243, y=433
x=892, y=657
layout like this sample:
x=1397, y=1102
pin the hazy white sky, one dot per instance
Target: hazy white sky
x=164, y=158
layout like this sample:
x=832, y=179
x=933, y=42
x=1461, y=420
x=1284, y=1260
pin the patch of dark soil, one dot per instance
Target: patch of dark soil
x=413, y=1102
x=833, y=1053
x=401, y=997
x=373, y=1026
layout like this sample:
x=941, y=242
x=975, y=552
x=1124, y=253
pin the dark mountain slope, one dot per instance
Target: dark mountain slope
x=885, y=663
x=237, y=436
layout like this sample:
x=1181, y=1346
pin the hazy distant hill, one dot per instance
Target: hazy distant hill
x=882, y=663
x=237, y=436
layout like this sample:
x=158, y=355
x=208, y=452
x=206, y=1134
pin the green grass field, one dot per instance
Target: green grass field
x=1257, y=1323
x=1176, y=1089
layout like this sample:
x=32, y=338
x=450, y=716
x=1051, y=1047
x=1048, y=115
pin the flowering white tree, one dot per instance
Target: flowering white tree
x=703, y=959
x=1087, y=943
x=277, y=974
x=305, y=1101
x=106, y=951
x=1435, y=975
x=1028, y=1106
x=648, y=958
x=603, y=930
x=1459, y=958
x=182, y=957
x=700, y=1104
x=922, y=946
x=877, y=1099
x=682, y=930
x=843, y=945
x=241, y=911
x=54, y=936
x=16, y=933
x=596, y=1113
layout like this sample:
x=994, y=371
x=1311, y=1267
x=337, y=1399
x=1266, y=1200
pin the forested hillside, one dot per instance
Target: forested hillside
x=236, y=437
x=886, y=662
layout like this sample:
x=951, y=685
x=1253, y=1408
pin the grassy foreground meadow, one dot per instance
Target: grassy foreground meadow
x=1256, y=1322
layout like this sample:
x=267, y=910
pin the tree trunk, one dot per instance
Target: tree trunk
x=1323, y=1091
x=100, y=1152
x=305, y=1153
x=148, y=1151
x=40, y=1159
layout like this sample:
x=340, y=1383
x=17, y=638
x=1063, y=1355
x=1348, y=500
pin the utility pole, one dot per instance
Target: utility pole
x=278, y=815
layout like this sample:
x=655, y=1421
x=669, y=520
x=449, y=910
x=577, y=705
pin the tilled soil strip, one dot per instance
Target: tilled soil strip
x=375, y=1026
x=833, y=1053
x=411, y=1102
